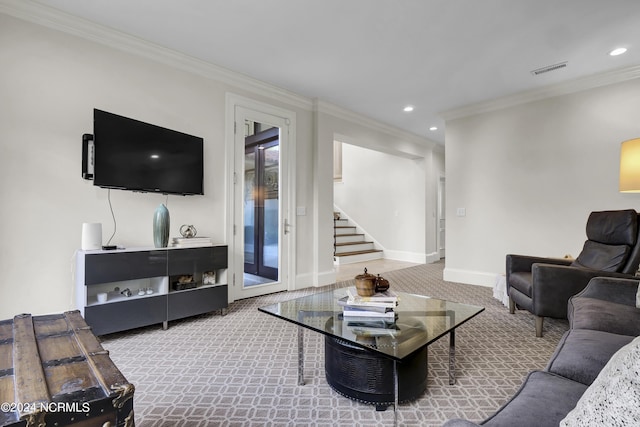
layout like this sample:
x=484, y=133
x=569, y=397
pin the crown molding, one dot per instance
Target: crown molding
x=36, y=13
x=334, y=110
x=565, y=88
x=57, y=20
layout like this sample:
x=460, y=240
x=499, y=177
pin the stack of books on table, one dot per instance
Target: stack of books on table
x=372, y=327
x=380, y=306
x=191, y=242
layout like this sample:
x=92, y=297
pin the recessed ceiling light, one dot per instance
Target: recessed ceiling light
x=408, y=109
x=433, y=128
x=618, y=51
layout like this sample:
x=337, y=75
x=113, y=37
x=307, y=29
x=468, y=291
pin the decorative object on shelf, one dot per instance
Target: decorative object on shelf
x=188, y=231
x=185, y=279
x=102, y=297
x=91, y=236
x=209, y=278
x=126, y=292
x=184, y=282
x=161, y=226
x=191, y=242
x=141, y=292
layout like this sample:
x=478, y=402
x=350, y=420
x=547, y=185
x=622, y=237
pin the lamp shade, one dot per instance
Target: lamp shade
x=630, y=166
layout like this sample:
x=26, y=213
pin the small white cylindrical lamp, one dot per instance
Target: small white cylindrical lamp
x=630, y=166
x=91, y=236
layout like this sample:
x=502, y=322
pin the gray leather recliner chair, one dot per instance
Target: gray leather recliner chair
x=543, y=286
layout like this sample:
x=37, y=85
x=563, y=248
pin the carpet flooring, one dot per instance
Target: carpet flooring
x=241, y=369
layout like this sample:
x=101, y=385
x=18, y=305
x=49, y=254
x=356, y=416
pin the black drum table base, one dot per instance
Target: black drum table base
x=367, y=377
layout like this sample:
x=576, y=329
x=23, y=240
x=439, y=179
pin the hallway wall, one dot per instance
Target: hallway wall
x=385, y=195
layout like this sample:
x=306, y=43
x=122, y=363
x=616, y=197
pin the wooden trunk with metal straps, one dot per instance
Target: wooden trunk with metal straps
x=54, y=373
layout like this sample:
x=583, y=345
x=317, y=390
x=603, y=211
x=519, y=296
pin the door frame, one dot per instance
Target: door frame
x=441, y=217
x=286, y=121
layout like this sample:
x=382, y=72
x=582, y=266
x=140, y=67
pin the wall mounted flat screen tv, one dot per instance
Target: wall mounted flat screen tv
x=133, y=155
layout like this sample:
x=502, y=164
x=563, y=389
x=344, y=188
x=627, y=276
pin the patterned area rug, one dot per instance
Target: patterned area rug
x=241, y=369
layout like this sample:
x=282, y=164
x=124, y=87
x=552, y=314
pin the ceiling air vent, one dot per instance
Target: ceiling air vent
x=549, y=68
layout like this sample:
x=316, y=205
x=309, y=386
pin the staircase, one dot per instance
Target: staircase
x=349, y=245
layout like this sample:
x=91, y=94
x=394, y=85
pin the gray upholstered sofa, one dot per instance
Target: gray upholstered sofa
x=604, y=320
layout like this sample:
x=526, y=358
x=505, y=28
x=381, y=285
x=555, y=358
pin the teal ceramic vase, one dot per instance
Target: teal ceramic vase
x=161, y=227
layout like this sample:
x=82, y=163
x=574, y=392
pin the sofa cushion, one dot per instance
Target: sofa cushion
x=582, y=353
x=601, y=315
x=600, y=256
x=543, y=400
x=614, y=397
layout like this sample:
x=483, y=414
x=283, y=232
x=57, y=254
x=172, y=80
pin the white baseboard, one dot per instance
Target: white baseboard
x=326, y=278
x=309, y=280
x=303, y=281
x=469, y=277
x=416, y=257
x=432, y=257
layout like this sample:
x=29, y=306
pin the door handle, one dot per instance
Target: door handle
x=286, y=226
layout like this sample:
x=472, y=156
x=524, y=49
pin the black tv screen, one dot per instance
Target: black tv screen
x=133, y=155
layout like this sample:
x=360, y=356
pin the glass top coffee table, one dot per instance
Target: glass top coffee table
x=420, y=321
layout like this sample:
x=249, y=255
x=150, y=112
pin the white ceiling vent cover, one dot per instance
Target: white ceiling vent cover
x=549, y=68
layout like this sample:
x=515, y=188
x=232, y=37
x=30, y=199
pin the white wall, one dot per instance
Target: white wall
x=385, y=195
x=529, y=175
x=51, y=81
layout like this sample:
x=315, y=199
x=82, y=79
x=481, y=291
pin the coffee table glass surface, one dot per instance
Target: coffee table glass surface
x=420, y=320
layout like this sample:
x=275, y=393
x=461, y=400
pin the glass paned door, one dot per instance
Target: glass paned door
x=249, y=211
x=261, y=205
x=271, y=206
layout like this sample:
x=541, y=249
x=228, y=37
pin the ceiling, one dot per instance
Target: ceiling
x=374, y=57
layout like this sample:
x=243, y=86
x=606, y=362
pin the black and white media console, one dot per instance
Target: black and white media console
x=122, y=289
